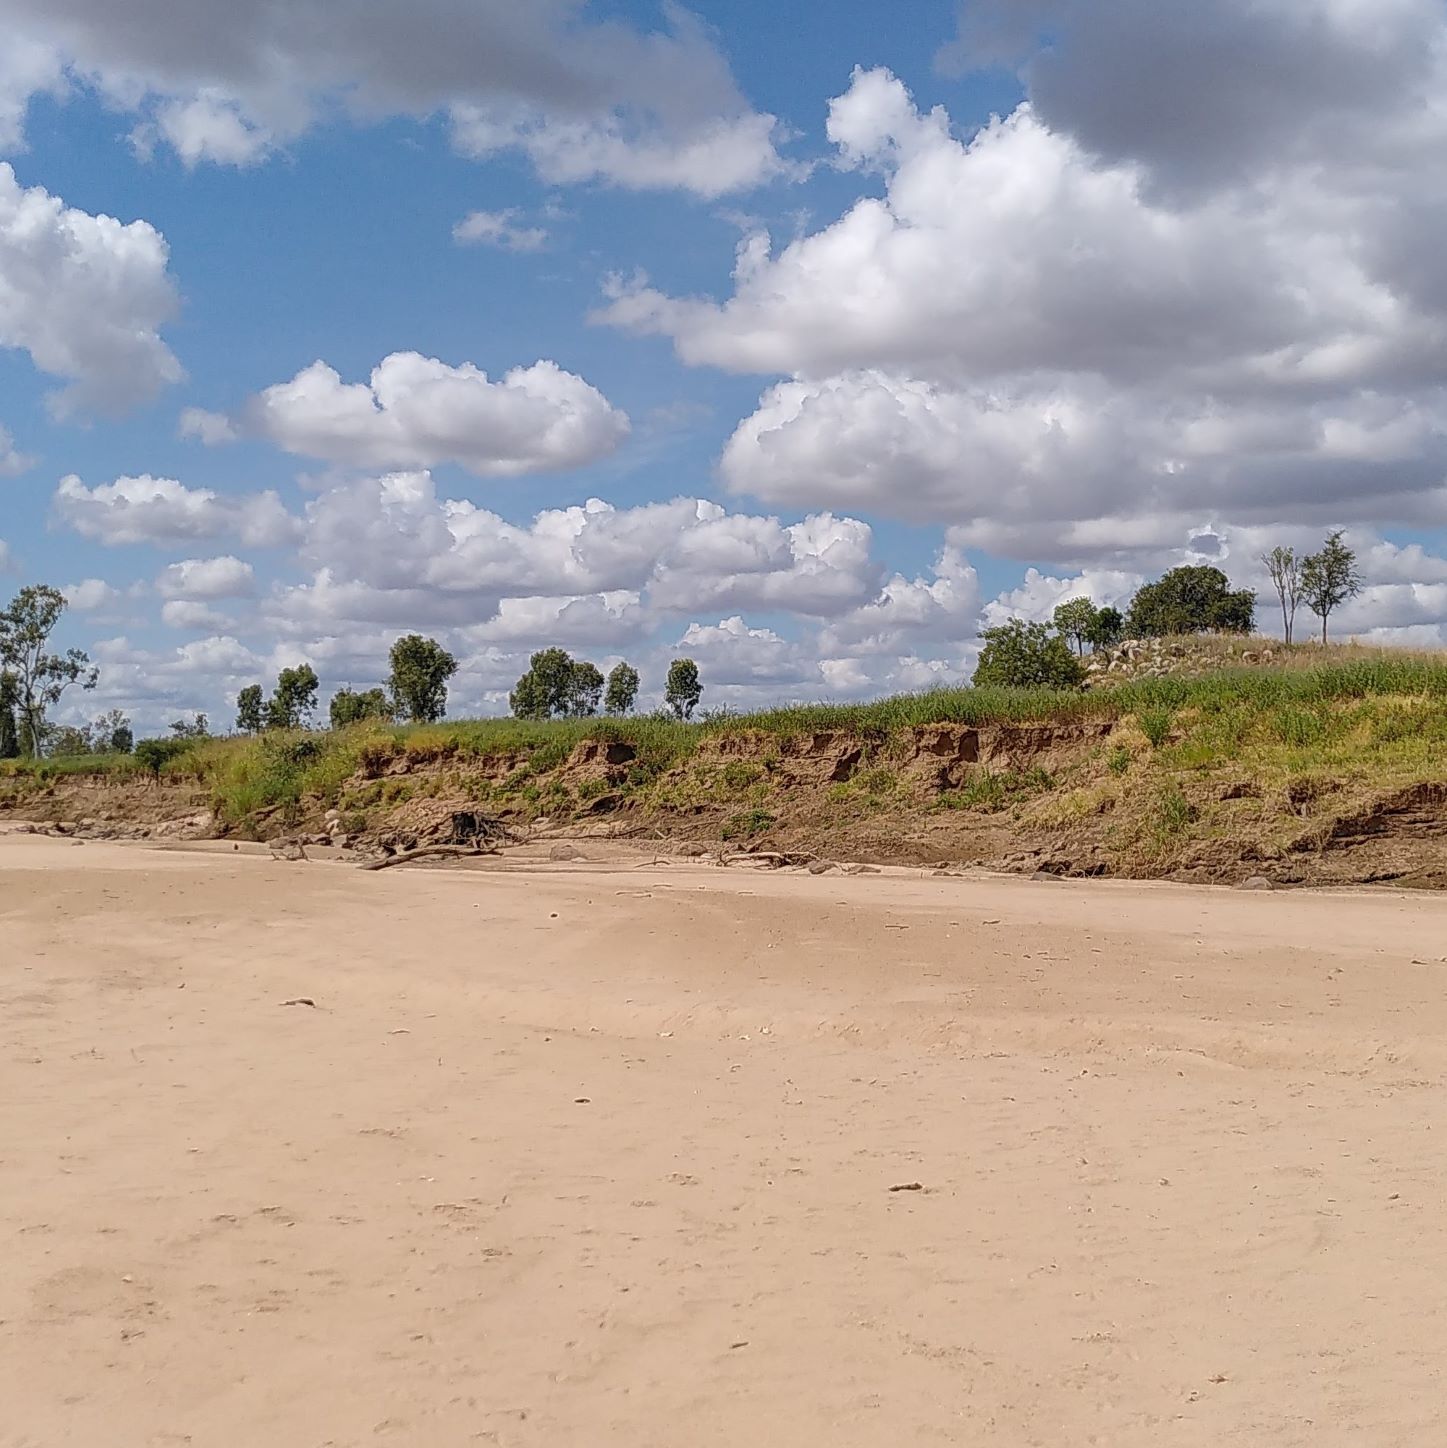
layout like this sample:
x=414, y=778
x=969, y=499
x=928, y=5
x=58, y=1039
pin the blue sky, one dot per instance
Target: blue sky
x=1182, y=299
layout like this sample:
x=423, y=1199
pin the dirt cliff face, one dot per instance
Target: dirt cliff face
x=1071, y=799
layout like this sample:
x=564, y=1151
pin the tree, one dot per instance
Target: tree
x=547, y=687
x=1285, y=569
x=1075, y=618
x=622, y=690
x=585, y=689
x=196, y=727
x=350, y=707
x=9, y=730
x=420, y=671
x=112, y=733
x=1330, y=578
x=1107, y=629
x=294, y=699
x=40, y=677
x=1195, y=598
x=249, y=710
x=682, y=689
x=1020, y=655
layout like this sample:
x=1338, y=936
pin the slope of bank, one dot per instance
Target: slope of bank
x=1335, y=773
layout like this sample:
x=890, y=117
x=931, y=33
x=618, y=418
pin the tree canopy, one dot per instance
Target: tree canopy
x=1194, y=598
x=622, y=690
x=40, y=676
x=1021, y=655
x=682, y=690
x=348, y=706
x=421, y=668
x=294, y=699
x=1329, y=578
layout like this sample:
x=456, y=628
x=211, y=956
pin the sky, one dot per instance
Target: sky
x=804, y=341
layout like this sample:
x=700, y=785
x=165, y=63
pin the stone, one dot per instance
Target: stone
x=822, y=867
x=1257, y=882
x=566, y=852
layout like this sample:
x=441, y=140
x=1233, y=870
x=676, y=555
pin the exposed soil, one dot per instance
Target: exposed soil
x=1022, y=798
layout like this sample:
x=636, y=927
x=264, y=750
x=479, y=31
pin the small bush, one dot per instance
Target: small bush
x=1118, y=761
x=1173, y=810
x=748, y=825
x=740, y=774
x=1155, y=724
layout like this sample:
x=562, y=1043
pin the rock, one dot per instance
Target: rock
x=333, y=816
x=692, y=852
x=860, y=869
x=565, y=852
x=1257, y=882
x=822, y=867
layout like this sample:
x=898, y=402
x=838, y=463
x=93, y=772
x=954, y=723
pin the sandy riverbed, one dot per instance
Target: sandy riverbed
x=604, y=1158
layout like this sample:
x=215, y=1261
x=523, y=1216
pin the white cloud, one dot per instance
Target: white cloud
x=13, y=462
x=85, y=296
x=207, y=578
x=162, y=510
x=499, y=229
x=417, y=412
x=1038, y=595
x=944, y=608
x=584, y=95
x=91, y=594
x=211, y=428
x=1076, y=356
x=179, y=613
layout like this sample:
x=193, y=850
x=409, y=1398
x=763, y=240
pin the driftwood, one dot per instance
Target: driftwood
x=774, y=859
x=403, y=856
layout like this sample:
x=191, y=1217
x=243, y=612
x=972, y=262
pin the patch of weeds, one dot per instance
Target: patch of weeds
x=1155, y=724
x=989, y=790
x=879, y=781
x=1299, y=728
x=748, y=825
x=739, y=774
x=593, y=788
x=1173, y=811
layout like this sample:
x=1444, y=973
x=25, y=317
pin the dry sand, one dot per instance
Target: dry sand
x=600, y=1158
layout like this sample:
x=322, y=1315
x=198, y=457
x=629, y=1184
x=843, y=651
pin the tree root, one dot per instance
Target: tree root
x=403, y=856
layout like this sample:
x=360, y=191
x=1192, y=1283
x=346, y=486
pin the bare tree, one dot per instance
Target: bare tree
x=1285, y=569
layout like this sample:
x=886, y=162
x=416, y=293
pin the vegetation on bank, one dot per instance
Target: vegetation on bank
x=1347, y=715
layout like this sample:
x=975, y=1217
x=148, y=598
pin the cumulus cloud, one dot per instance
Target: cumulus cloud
x=181, y=613
x=499, y=229
x=13, y=462
x=161, y=510
x=416, y=412
x=1069, y=351
x=86, y=297
x=211, y=428
x=207, y=578
x=582, y=94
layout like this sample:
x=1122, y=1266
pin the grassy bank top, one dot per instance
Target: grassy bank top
x=1304, y=679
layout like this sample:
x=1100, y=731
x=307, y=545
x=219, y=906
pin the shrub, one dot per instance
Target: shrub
x=1020, y=655
x=748, y=825
x=1155, y=724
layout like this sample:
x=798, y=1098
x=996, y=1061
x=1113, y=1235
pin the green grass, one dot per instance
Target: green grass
x=1349, y=712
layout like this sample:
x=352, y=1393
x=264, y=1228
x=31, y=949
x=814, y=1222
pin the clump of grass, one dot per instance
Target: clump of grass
x=1155, y=724
x=1173, y=811
x=748, y=824
x=1118, y=760
x=991, y=790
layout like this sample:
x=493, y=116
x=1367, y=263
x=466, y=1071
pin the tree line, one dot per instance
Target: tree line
x=1195, y=598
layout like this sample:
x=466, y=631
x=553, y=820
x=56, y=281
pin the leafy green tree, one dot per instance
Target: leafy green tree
x=294, y=699
x=1020, y=655
x=153, y=754
x=112, y=733
x=1330, y=578
x=1285, y=568
x=41, y=677
x=9, y=729
x=547, y=687
x=1074, y=619
x=622, y=690
x=350, y=707
x=250, y=715
x=1107, y=629
x=1194, y=598
x=196, y=727
x=421, y=668
x=682, y=690
x=585, y=689
x=67, y=741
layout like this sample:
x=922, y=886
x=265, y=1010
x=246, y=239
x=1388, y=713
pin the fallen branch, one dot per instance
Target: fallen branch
x=403, y=856
x=774, y=859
